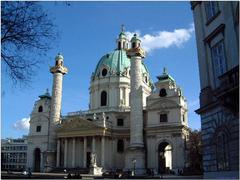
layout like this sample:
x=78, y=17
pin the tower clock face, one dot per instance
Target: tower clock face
x=162, y=92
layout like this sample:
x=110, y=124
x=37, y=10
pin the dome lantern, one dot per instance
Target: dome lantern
x=135, y=41
x=122, y=41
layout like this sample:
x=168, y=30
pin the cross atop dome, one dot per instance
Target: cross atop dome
x=164, y=70
x=123, y=28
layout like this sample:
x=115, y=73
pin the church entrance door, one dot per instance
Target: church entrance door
x=37, y=157
x=164, y=158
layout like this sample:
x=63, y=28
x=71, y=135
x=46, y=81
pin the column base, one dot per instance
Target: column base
x=50, y=162
x=135, y=160
x=95, y=170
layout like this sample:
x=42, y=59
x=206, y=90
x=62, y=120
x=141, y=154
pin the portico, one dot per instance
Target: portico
x=76, y=143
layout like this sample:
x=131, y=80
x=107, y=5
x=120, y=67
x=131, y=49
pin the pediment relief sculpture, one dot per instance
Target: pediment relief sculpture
x=77, y=124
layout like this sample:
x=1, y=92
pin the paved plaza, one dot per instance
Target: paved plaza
x=18, y=175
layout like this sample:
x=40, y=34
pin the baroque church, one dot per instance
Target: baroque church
x=131, y=122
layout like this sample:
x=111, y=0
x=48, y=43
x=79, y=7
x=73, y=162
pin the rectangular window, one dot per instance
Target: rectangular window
x=219, y=62
x=163, y=118
x=211, y=8
x=38, y=128
x=120, y=122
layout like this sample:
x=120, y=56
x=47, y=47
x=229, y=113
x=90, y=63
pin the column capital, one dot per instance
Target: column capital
x=58, y=68
x=136, y=52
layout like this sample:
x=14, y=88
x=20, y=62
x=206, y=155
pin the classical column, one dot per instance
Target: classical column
x=58, y=153
x=85, y=152
x=41, y=162
x=136, y=114
x=73, y=152
x=93, y=145
x=103, y=151
x=136, y=150
x=58, y=72
x=65, y=152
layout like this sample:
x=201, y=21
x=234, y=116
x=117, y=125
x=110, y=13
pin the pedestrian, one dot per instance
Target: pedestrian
x=69, y=176
x=29, y=173
x=161, y=173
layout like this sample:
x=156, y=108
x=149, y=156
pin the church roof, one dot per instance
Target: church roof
x=165, y=76
x=122, y=35
x=117, y=63
x=46, y=95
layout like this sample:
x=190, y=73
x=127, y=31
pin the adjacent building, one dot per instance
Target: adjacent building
x=14, y=154
x=217, y=36
x=131, y=123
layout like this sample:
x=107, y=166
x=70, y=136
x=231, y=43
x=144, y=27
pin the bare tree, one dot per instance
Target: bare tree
x=27, y=33
x=195, y=152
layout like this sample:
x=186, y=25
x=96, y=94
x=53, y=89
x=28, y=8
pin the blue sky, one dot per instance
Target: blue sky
x=88, y=30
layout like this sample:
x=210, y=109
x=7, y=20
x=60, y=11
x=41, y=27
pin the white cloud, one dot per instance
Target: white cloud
x=22, y=124
x=164, y=39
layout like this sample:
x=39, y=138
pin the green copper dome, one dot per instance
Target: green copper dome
x=116, y=63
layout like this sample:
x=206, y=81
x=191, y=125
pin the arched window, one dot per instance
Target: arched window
x=119, y=44
x=104, y=72
x=222, y=151
x=133, y=45
x=40, y=109
x=162, y=92
x=146, y=79
x=103, y=98
x=120, y=146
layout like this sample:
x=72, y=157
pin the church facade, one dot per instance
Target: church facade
x=131, y=122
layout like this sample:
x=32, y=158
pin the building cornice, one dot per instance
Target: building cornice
x=194, y=4
x=215, y=32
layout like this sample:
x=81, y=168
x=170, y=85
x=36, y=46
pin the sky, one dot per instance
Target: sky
x=88, y=30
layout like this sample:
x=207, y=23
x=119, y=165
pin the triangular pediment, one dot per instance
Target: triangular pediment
x=162, y=104
x=77, y=124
